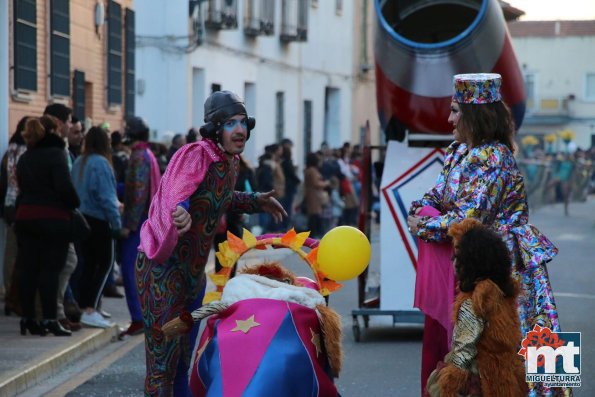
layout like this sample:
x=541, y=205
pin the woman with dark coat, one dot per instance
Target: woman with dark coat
x=44, y=209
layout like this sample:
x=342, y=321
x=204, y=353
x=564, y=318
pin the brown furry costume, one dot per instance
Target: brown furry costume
x=487, y=334
x=501, y=369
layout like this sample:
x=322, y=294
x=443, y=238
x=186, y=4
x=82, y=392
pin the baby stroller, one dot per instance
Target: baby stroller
x=268, y=332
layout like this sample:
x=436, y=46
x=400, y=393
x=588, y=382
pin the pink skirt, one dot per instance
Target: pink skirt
x=435, y=280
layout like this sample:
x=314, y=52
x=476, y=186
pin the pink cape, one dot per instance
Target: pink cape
x=186, y=170
x=435, y=280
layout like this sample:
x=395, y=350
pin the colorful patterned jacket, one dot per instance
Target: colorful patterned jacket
x=484, y=183
x=202, y=173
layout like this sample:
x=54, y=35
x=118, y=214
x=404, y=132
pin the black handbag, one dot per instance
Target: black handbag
x=79, y=227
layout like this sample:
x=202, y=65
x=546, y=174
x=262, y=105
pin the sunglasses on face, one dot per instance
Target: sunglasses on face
x=231, y=124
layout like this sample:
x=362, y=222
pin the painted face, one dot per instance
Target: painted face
x=453, y=118
x=234, y=134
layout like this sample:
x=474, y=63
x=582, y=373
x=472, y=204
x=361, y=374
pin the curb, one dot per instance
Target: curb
x=52, y=362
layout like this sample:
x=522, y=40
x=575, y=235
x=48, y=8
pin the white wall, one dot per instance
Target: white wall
x=4, y=89
x=161, y=66
x=302, y=70
x=560, y=65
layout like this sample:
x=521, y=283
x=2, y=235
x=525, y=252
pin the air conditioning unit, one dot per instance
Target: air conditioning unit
x=294, y=22
x=222, y=14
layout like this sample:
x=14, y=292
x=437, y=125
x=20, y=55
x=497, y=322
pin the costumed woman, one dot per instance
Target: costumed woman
x=175, y=242
x=481, y=180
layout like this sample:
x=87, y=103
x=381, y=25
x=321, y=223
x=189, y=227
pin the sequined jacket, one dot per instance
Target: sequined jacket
x=484, y=183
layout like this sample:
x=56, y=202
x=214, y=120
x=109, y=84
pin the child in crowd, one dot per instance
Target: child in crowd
x=487, y=333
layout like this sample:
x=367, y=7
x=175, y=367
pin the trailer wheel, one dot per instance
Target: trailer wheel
x=356, y=329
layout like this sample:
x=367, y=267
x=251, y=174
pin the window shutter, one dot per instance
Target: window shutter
x=78, y=98
x=130, y=68
x=25, y=45
x=114, y=54
x=60, y=47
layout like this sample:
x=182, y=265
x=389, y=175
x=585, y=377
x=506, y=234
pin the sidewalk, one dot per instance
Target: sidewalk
x=28, y=360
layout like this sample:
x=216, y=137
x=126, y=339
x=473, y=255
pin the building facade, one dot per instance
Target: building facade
x=558, y=62
x=76, y=52
x=301, y=65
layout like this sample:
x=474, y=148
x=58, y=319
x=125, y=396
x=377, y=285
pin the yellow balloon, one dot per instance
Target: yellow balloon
x=343, y=253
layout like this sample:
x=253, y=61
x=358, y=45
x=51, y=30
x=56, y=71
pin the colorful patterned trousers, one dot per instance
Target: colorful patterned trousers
x=165, y=291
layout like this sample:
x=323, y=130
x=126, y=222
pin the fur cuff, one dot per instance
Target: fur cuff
x=452, y=381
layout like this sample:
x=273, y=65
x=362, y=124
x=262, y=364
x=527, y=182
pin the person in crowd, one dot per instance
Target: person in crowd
x=292, y=181
x=233, y=221
x=349, y=176
x=141, y=182
x=42, y=222
x=316, y=196
x=176, y=142
x=175, y=242
x=487, y=333
x=75, y=138
x=63, y=117
x=480, y=179
x=191, y=135
x=120, y=159
x=10, y=191
x=267, y=179
x=561, y=179
x=330, y=166
x=160, y=152
x=94, y=180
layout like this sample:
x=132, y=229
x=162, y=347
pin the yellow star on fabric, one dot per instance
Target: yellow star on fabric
x=316, y=341
x=245, y=325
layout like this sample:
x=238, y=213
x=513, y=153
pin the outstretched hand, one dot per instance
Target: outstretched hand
x=413, y=223
x=269, y=204
x=182, y=220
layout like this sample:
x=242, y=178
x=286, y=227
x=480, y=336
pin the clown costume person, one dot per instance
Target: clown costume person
x=480, y=179
x=195, y=191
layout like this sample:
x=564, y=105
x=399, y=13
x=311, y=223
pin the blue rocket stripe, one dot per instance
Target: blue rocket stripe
x=209, y=368
x=285, y=359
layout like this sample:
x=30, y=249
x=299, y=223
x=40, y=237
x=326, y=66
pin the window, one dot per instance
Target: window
x=78, y=95
x=332, y=119
x=307, y=128
x=267, y=17
x=25, y=45
x=129, y=95
x=590, y=87
x=294, y=20
x=114, y=54
x=279, y=116
x=215, y=87
x=60, y=48
x=338, y=7
x=259, y=17
x=222, y=14
x=530, y=90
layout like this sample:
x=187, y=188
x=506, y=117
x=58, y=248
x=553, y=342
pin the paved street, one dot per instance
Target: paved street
x=387, y=360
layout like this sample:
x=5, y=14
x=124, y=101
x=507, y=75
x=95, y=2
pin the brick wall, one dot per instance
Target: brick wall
x=87, y=54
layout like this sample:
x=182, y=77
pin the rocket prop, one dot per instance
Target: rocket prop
x=269, y=332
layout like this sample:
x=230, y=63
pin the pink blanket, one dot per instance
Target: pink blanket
x=435, y=280
x=186, y=170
